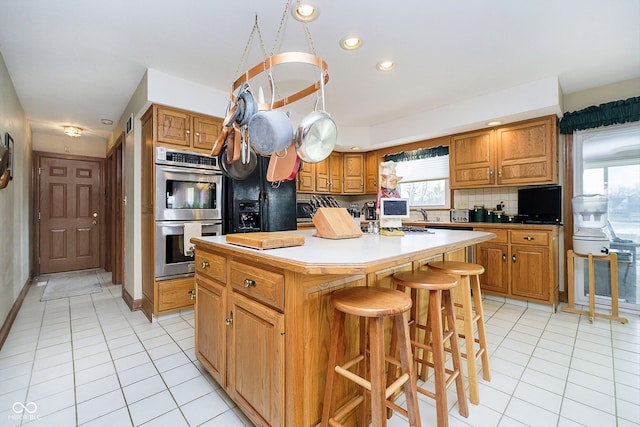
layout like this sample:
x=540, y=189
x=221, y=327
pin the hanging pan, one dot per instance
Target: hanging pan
x=317, y=132
x=270, y=131
x=283, y=167
x=238, y=170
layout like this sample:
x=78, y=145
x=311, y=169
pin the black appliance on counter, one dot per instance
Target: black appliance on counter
x=540, y=205
x=255, y=204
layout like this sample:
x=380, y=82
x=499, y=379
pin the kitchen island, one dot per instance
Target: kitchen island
x=263, y=316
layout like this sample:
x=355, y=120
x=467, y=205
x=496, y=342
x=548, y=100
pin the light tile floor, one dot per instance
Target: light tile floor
x=89, y=361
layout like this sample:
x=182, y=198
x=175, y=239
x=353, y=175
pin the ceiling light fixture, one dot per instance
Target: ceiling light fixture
x=305, y=11
x=494, y=123
x=73, y=131
x=385, y=65
x=350, y=42
x=107, y=122
x=355, y=148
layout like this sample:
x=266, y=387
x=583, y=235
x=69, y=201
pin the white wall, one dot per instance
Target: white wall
x=15, y=199
x=82, y=146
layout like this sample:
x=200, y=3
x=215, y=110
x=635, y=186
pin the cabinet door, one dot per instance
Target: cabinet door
x=211, y=328
x=493, y=257
x=306, y=178
x=472, y=159
x=527, y=152
x=174, y=294
x=257, y=361
x=530, y=272
x=371, y=172
x=353, y=173
x=322, y=176
x=173, y=127
x=205, y=131
x=335, y=173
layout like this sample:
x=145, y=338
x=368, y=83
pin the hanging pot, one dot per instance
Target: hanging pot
x=248, y=103
x=270, y=131
x=238, y=170
x=283, y=166
x=317, y=133
x=232, y=111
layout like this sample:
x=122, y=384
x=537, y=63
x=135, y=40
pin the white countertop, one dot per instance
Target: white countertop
x=360, y=253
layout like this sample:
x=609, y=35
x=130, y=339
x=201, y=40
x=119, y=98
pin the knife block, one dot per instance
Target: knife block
x=335, y=223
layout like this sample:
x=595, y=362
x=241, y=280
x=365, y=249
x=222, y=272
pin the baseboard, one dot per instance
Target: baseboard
x=134, y=305
x=11, y=317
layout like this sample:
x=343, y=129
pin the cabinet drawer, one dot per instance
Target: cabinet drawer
x=211, y=265
x=262, y=285
x=528, y=237
x=501, y=234
x=175, y=293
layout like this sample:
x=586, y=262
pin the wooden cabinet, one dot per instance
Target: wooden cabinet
x=371, y=173
x=306, y=178
x=353, y=173
x=522, y=153
x=240, y=333
x=185, y=130
x=335, y=173
x=520, y=263
x=175, y=294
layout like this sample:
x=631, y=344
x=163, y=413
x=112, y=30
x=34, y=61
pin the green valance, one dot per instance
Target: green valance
x=611, y=113
x=420, y=153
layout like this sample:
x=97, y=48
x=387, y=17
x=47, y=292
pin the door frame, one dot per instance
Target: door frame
x=114, y=224
x=35, y=226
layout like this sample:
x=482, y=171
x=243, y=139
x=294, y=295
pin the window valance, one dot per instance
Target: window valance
x=611, y=113
x=420, y=153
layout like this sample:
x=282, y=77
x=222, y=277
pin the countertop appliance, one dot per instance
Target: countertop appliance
x=369, y=211
x=590, y=218
x=255, y=204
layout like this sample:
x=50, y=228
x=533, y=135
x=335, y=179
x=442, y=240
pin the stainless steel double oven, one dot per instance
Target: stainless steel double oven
x=188, y=202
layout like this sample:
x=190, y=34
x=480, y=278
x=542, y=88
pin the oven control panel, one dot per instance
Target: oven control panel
x=166, y=156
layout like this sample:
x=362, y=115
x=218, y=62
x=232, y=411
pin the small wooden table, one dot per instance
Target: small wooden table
x=613, y=260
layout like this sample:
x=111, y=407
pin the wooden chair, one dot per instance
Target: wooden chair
x=373, y=304
x=472, y=314
x=438, y=285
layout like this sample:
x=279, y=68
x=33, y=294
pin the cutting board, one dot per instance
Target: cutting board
x=265, y=240
x=335, y=223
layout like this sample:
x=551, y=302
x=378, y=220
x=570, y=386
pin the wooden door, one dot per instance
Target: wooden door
x=205, y=131
x=335, y=172
x=70, y=213
x=493, y=257
x=257, y=361
x=472, y=159
x=173, y=127
x=306, y=178
x=371, y=173
x=353, y=173
x=322, y=176
x=530, y=271
x=210, y=328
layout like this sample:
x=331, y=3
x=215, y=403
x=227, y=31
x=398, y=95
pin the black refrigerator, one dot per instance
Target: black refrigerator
x=255, y=204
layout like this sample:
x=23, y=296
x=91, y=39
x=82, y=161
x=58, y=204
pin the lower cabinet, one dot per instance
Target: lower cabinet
x=520, y=263
x=211, y=329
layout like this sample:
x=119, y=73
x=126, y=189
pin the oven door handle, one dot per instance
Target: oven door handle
x=188, y=170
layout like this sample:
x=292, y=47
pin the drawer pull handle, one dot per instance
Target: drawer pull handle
x=192, y=294
x=513, y=258
x=248, y=283
x=504, y=257
x=529, y=238
x=229, y=320
x=205, y=264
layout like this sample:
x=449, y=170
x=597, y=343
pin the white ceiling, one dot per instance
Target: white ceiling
x=78, y=61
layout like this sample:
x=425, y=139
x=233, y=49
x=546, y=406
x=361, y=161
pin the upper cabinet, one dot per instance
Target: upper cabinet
x=352, y=173
x=523, y=153
x=186, y=129
x=371, y=172
x=341, y=173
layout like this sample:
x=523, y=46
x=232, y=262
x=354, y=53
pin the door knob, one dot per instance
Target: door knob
x=95, y=214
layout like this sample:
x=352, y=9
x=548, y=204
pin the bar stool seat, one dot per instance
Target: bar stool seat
x=472, y=314
x=372, y=304
x=439, y=286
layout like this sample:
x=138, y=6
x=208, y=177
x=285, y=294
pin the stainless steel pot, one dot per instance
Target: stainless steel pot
x=270, y=131
x=317, y=133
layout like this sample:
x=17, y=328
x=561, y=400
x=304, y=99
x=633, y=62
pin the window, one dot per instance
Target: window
x=607, y=161
x=425, y=181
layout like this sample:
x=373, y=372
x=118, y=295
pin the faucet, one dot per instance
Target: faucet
x=424, y=214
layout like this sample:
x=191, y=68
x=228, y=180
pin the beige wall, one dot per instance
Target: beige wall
x=599, y=95
x=82, y=146
x=15, y=199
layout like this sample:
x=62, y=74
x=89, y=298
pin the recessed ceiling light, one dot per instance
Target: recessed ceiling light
x=494, y=123
x=350, y=42
x=355, y=148
x=385, y=65
x=305, y=11
x=107, y=122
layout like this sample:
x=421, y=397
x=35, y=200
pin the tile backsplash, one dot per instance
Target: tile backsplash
x=487, y=197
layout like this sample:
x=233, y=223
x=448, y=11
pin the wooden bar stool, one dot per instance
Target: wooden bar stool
x=438, y=285
x=374, y=304
x=472, y=313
